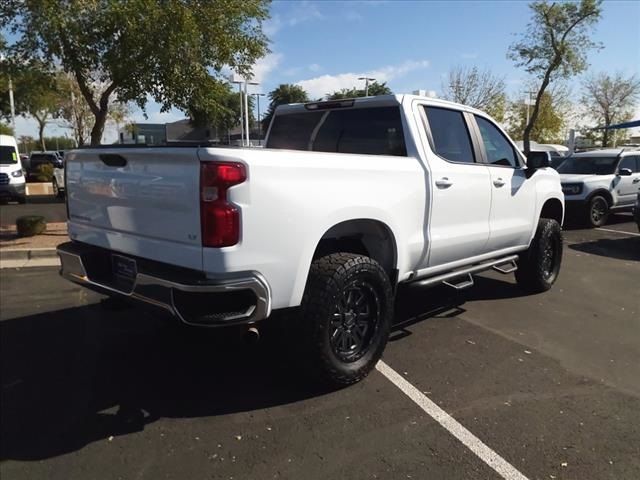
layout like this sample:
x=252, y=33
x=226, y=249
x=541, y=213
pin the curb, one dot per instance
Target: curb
x=27, y=254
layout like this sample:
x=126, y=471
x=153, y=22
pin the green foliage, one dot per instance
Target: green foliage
x=555, y=45
x=610, y=99
x=44, y=172
x=6, y=129
x=30, y=225
x=549, y=124
x=140, y=49
x=478, y=89
x=284, y=94
x=375, y=89
x=225, y=114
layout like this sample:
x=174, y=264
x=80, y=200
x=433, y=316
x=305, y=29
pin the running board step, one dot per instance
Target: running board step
x=506, y=267
x=461, y=285
x=480, y=267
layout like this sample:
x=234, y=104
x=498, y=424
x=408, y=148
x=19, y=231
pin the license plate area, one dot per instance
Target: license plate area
x=124, y=271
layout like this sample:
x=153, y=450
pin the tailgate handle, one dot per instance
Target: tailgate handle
x=113, y=160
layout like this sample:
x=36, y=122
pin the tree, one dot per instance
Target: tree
x=6, y=129
x=282, y=95
x=227, y=116
x=555, y=45
x=547, y=129
x=478, y=89
x=138, y=49
x=375, y=89
x=610, y=99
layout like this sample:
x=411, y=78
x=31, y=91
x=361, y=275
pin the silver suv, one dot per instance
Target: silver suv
x=598, y=182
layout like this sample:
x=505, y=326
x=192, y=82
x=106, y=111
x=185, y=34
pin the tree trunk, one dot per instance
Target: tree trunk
x=98, y=127
x=41, y=135
x=605, y=132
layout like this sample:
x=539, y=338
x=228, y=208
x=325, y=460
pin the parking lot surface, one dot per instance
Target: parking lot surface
x=550, y=383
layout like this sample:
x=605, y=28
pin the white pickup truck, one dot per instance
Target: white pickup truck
x=348, y=199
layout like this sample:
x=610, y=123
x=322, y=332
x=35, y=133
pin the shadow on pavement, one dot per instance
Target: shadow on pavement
x=574, y=222
x=75, y=376
x=620, y=248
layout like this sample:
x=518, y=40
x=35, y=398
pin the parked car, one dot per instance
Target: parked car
x=39, y=158
x=349, y=199
x=57, y=182
x=636, y=211
x=599, y=182
x=12, y=181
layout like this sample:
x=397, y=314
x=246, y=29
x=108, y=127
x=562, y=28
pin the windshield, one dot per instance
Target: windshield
x=589, y=165
x=8, y=155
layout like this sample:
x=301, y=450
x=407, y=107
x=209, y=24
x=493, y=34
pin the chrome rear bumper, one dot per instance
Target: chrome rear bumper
x=230, y=299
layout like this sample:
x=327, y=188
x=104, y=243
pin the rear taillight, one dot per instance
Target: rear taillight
x=219, y=219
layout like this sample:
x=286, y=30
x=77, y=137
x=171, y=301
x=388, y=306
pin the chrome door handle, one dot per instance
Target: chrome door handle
x=498, y=182
x=444, y=182
x=636, y=180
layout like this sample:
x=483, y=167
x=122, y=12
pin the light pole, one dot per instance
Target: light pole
x=258, y=95
x=529, y=93
x=11, y=104
x=366, y=84
x=246, y=108
x=239, y=82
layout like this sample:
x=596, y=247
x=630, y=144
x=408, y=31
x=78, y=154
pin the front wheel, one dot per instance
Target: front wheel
x=597, y=211
x=347, y=309
x=539, y=266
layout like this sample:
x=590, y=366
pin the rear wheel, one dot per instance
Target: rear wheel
x=346, y=312
x=539, y=266
x=597, y=211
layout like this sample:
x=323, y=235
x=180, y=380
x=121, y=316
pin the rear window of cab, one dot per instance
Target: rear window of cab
x=367, y=131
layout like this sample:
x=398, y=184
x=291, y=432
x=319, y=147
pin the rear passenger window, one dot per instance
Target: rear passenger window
x=369, y=131
x=498, y=149
x=293, y=131
x=450, y=135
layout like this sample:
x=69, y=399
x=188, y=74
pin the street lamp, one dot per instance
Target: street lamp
x=258, y=95
x=366, y=84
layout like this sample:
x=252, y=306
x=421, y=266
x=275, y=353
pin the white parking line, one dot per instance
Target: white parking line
x=619, y=231
x=473, y=443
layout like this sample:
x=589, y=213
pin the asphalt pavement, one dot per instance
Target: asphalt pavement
x=549, y=383
x=52, y=209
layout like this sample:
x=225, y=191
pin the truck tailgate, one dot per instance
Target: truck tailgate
x=143, y=202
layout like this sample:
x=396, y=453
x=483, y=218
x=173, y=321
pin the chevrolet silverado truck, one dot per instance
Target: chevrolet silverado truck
x=347, y=200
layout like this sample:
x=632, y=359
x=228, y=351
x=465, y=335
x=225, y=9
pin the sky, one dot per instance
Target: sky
x=326, y=45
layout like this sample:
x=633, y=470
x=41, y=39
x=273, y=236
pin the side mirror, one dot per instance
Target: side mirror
x=536, y=160
x=624, y=172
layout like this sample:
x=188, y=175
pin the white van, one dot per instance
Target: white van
x=12, y=181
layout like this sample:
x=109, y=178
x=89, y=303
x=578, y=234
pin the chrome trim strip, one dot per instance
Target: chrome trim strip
x=72, y=268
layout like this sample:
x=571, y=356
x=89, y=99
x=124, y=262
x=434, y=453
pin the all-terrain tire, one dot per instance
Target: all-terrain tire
x=539, y=266
x=345, y=317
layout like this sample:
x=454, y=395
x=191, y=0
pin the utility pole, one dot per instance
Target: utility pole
x=366, y=84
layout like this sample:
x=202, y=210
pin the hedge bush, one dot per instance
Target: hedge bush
x=44, y=172
x=30, y=225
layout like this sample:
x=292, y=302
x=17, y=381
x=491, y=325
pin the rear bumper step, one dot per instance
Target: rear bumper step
x=230, y=299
